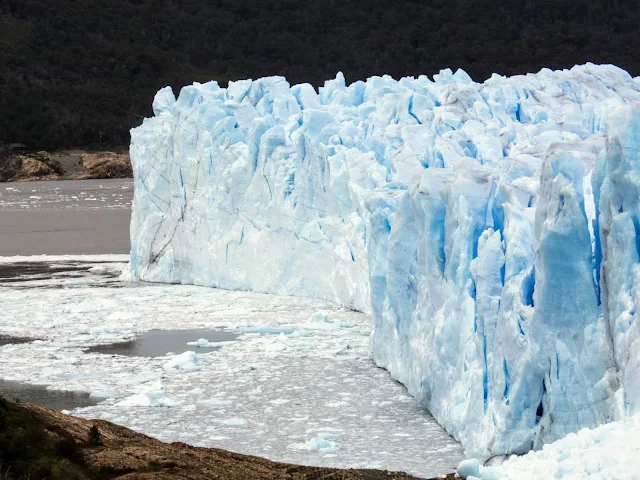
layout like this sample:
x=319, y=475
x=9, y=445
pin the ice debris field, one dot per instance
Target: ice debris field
x=490, y=229
x=296, y=385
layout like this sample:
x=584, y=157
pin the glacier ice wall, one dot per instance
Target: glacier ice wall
x=491, y=230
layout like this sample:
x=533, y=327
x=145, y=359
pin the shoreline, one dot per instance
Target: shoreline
x=16, y=166
x=84, y=448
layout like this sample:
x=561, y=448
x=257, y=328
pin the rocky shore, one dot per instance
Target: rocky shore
x=65, y=165
x=36, y=442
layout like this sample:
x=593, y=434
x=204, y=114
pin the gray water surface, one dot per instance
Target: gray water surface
x=39, y=395
x=157, y=343
x=9, y=340
x=65, y=217
x=25, y=271
x=59, y=274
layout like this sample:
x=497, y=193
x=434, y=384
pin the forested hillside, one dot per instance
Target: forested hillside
x=82, y=73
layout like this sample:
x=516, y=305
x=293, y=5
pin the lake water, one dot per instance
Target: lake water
x=156, y=343
x=9, y=340
x=66, y=217
x=41, y=395
x=58, y=218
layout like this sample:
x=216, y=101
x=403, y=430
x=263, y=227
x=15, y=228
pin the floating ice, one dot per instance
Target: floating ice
x=186, y=361
x=204, y=343
x=284, y=391
x=234, y=422
x=267, y=330
x=317, y=444
x=320, y=316
x=469, y=467
x=150, y=399
x=490, y=229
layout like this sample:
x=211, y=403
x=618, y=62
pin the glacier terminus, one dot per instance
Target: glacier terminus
x=491, y=230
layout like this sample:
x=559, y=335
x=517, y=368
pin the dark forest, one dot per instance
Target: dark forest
x=79, y=73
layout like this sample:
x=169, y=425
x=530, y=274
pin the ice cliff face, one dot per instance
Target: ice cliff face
x=492, y=230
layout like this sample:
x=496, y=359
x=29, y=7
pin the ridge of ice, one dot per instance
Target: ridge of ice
x=491, y=229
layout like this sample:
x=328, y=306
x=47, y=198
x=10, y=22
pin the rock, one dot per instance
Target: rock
x=33, y=169
x=49, y=160
x=105, y=165
x=67, y=165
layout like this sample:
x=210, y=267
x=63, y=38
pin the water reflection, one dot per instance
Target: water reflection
x=157, y=343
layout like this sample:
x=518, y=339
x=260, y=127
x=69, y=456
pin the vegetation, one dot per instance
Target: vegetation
x=10, y=165
x=75, y=73
x=94, y=437
x=29, y=451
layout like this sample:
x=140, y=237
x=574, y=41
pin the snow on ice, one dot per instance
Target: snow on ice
x=491, y=229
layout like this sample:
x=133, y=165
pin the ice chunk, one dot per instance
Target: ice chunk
x=469, y=467
x=186, y=361
x=233, y=422
x=267, y=330
x=317, y=444
x=151, y=399
x=204, y=343
x=320, y=316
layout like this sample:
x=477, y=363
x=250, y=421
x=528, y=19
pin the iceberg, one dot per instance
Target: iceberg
x=492, y=230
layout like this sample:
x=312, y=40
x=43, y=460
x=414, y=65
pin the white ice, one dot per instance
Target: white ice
x=608, y=452
x=318, y=444
x=204, y=343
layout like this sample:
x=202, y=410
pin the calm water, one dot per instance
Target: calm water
x=39, y=395
x=156, y=343
x=65, y=217
x=29, y=271
x=9, y=340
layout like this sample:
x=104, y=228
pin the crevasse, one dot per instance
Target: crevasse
x=490, y=229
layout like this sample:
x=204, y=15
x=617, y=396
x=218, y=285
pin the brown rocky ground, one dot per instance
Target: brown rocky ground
x=66, y=165
x=36, y=442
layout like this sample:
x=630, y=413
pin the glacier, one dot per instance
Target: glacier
x=492, y=230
